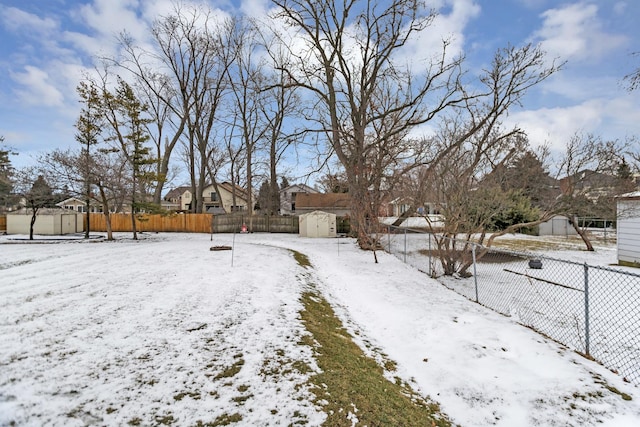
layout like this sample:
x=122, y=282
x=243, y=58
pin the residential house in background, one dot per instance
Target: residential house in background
x=335, y=203
x=289, y=197
x=216, y=200
x=172, y=201
x=79, y=205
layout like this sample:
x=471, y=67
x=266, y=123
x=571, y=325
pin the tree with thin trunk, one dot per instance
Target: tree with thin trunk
x=246, y=79
x=281, y=113
x=36, y=192
x=89, y=127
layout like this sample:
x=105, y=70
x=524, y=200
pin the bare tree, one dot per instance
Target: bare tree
x=36, y=192
x=282, y=107
x=108, y=174
x=588, y=178
x=183, y=79
x=246, y=78
x=366, y=99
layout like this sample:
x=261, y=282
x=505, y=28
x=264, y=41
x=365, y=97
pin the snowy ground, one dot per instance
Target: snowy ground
x=164, y=330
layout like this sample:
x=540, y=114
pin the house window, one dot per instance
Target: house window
x=214, y=196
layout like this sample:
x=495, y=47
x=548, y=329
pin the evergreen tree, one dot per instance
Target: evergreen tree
x=125, y=115
x=89, y=126
x=6, y=177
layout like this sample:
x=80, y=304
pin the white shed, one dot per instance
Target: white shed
x=49, y=222
x=318, y=224
x=628, y=229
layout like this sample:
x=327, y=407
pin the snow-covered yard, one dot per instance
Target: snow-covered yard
x=164, y=331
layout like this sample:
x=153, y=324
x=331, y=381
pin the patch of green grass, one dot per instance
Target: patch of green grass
x=352, y=383
x=232, y=370
x=165, y=420
x=192, y=394
x=301, y=258
x=599, y=380
x=612, y=389
x=226, y=419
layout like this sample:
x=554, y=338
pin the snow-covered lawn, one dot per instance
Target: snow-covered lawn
x=164, y=330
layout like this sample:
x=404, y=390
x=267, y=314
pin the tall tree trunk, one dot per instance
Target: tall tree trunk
x=33, y=222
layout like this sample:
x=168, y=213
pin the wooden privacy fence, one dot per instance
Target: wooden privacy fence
x=197, y=223
x=3, y=223
x=186, y=223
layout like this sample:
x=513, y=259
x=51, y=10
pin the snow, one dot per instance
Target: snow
x=105, y=333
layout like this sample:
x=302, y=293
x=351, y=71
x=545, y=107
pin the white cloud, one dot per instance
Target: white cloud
x=37, y=88
x=614, y=118
x=20, y=21
x=449, y=25
x=576, y=32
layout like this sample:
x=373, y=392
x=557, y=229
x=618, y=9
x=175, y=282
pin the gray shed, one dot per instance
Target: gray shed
x=49, y=222
x=628, y=228
x=318, y=224
x=557, y=226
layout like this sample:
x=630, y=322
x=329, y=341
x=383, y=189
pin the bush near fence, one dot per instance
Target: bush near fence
x=594, y=310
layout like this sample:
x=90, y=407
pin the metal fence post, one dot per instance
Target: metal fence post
x=475, y=275
x=405, y=245
x=389, y=238
x=586, y=308
x=430, y=262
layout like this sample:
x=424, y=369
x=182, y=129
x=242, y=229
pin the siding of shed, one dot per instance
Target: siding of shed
x=628, y=229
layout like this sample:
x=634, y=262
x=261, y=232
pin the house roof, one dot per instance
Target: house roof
x=176, y=192
x=227, y=186
x=303, y=187
x=316, y=200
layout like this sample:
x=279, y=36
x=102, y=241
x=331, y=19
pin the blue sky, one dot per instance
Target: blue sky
x=47, y=44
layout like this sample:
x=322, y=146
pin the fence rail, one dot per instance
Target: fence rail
x=594, y=310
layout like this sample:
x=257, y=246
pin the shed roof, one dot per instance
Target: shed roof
x=319, y=201
x=634, y=195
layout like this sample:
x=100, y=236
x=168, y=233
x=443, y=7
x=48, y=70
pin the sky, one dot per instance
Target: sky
x=88, y=344
x=47, y=45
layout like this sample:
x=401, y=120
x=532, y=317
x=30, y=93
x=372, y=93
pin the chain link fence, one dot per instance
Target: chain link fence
x=594, y=310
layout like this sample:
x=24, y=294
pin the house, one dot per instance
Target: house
x=216, y=199
x=49, y=221
x=628, y=229
x=335, y=203
x=172, y=201
x=289, y=197
x=79, y=205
